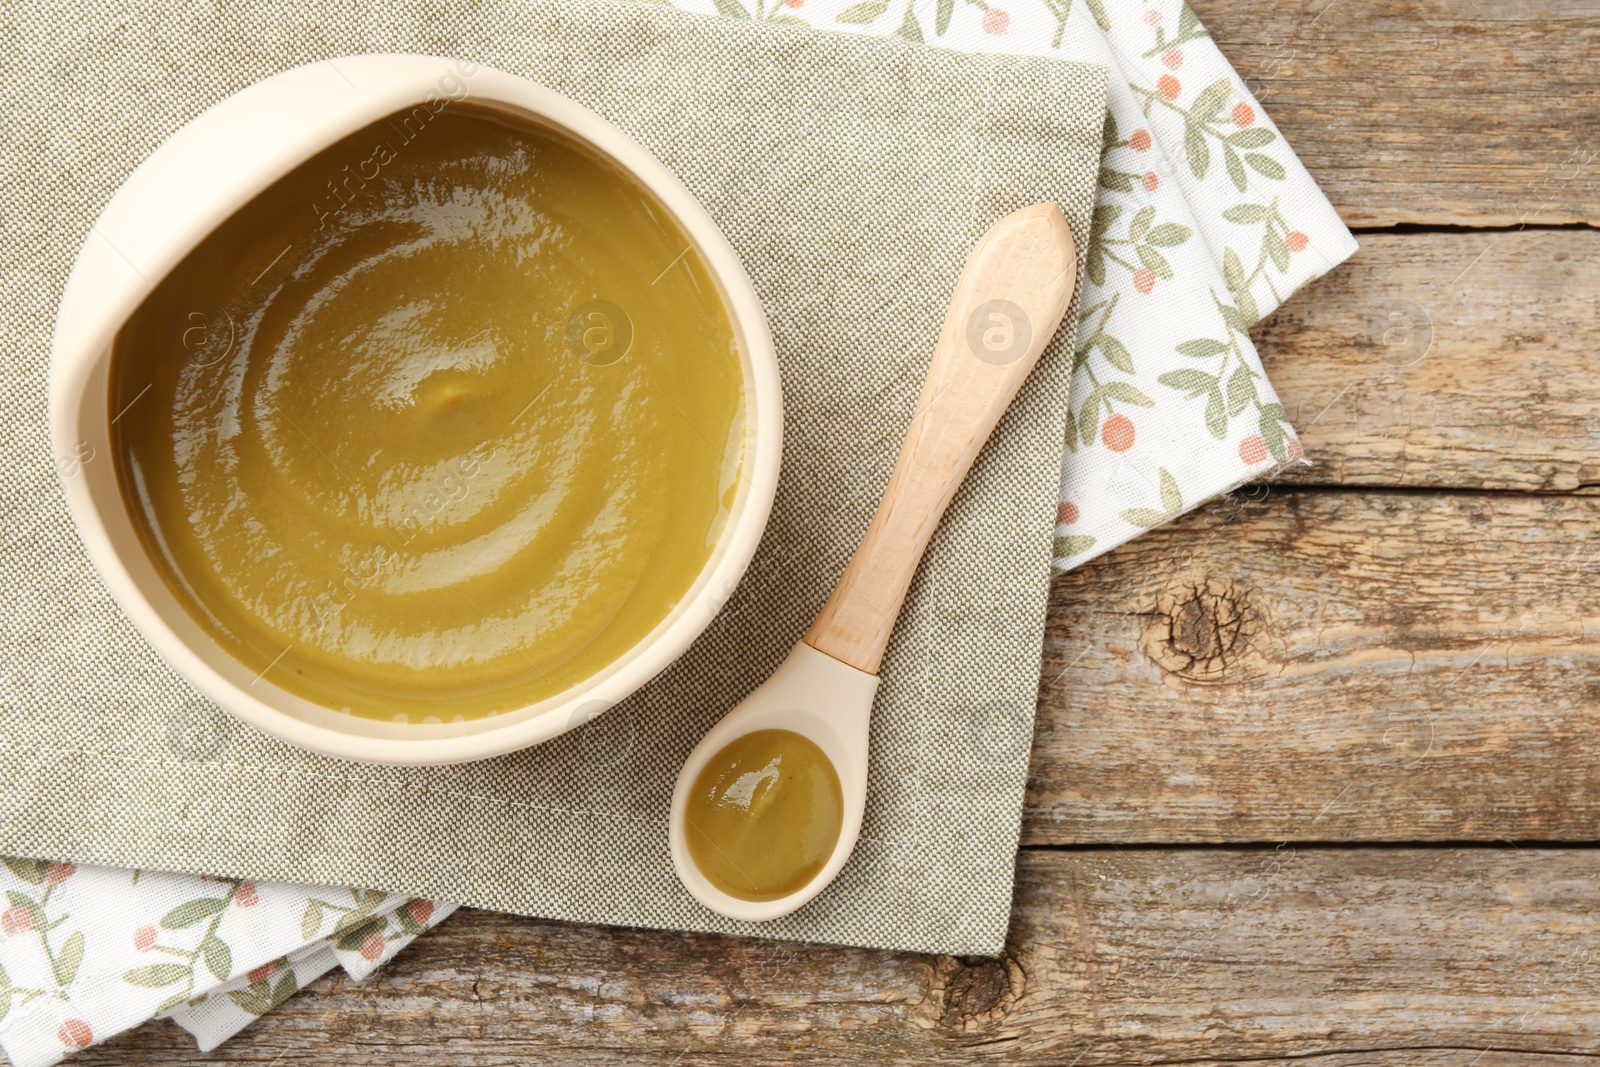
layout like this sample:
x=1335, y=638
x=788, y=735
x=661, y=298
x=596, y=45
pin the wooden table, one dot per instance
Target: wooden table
x=1315, y=772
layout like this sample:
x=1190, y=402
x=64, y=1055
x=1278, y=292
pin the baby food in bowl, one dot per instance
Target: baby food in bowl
x=446, y=427
x=464, y=443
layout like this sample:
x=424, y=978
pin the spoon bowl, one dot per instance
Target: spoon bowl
x=821, y=699
x=1010, y=299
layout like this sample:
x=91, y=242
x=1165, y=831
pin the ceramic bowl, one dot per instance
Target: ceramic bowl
x=197, y=179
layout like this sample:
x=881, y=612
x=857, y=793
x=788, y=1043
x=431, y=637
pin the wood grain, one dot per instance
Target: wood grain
x=1351, y=956
x=1440, y=111
x=1455, y=360
x=1008, y=302
x=1408, y=661
x=1329, y=665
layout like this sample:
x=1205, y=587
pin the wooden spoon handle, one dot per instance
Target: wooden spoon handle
x=1010, y=298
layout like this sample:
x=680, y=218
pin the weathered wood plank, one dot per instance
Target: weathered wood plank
x=1352, y=956
x=1447, y=360
x=1332, y=666
x=1442, y=111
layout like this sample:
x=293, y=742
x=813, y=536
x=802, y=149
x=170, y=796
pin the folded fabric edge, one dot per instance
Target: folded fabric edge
x=1063, y=563
x=224, y=1012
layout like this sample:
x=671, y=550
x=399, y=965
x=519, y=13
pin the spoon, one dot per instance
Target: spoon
x=1011, y=296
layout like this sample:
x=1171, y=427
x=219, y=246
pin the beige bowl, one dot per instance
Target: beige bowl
x=197, y=179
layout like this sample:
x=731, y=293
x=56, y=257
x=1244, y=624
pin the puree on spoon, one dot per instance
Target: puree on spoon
x=441, y=424
x=764, y=815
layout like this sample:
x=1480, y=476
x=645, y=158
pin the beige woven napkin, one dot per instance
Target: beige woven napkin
x=852, y=175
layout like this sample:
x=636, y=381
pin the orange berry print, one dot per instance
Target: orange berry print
x=372, y=946
x=1118, y=433
x=1253, y=450
x=75, y=1033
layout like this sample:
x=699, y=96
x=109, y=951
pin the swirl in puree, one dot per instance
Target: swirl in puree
x=441, y=424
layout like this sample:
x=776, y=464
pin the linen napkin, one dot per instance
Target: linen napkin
x=1198, y=216
x=852, y=175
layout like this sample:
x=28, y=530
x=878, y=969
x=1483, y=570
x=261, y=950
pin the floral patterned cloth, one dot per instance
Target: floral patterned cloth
x=88, y=952
x=1206, y=222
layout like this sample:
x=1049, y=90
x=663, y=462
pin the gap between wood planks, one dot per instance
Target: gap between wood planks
x=1407, y=228
x=1456, y=359
x=1526, y=845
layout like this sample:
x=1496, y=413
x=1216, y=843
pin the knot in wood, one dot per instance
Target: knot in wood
x=1205, y=631
x=974, y=993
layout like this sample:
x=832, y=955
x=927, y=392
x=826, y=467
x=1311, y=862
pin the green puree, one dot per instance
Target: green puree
x=764, y=815
x=442, y=423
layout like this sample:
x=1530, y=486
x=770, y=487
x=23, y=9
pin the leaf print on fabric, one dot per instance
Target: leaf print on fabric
x=1278, y=242
x=1062, y=11
x=1069, y=545
x=65, y=963
x=910, y=28
x=1114, y=351
x=1143, y=241
x=864, y=12
x=1229, y=387
x=361, y=937
x=211, y=950
x=1205, y=121
x=26, y=915
x=1189, y=29
x=1276, y=436
x=1118, y=181
x=1171, y=504
x=188, y=914
x=372, y=938
x=363, y=904
x=219, y=960
x=30, y=871
x=157, y=975
x=1118, y=432
x=263, y=993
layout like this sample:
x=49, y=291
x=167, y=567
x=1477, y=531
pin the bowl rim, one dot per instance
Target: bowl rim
x=213, y=165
